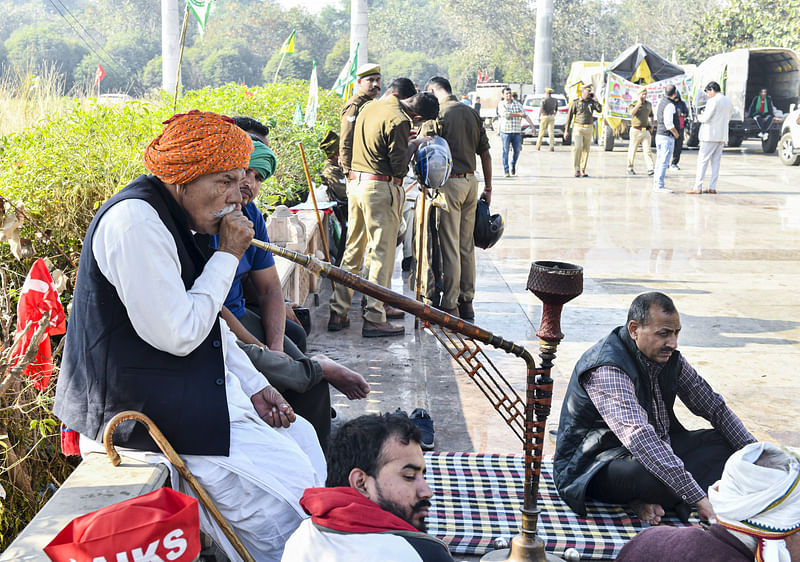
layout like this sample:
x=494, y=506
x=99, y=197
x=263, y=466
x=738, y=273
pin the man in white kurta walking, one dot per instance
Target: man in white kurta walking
x=713, y=136
x=145, y=334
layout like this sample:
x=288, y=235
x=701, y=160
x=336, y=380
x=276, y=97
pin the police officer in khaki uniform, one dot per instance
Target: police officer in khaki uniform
x=463, y=130
x=382, y=147
x=580, y=121
x=332, y=174
x=641, y=112
x=548, y=108
x=369, y=86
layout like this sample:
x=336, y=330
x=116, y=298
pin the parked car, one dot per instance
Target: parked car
x=789, y=146
x=531, y=105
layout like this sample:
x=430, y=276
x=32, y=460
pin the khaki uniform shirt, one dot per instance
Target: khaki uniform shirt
x=334, y=178
x=348, y=123
x=548, y=106
x=380, y=138
x=462, y=128
x=642, y=117
x=582, y=112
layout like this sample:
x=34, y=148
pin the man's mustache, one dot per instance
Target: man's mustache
x=225, y=211
x=420, y=505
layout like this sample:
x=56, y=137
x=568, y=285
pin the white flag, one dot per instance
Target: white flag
x=347, y=77
x=313, y=98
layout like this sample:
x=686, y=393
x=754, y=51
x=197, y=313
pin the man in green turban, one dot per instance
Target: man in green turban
x=303, y=380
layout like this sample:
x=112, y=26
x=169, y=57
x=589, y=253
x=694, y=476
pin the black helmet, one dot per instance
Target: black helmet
x=433, y=163
x=488, y=227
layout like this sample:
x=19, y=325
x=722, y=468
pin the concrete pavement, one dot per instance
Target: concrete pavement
x=729, y=261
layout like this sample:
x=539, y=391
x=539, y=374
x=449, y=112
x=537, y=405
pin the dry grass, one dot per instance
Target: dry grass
x=29, y=94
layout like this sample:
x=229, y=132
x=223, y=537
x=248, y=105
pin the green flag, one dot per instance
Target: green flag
x=313, y=98
x=347, y=77
x=200, y=9
x=298, y=115
x=288, y=45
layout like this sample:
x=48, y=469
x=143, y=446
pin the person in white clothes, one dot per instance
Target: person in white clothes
x=145, y=333
x=713, y=136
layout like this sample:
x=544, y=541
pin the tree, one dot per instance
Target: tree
x=43, y=45
x=417, y=66
x=124, y=59
x=749, y=23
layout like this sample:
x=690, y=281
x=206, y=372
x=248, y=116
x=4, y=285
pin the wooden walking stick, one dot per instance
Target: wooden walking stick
x=421, y=248
x=323, y=234
x=178, y=463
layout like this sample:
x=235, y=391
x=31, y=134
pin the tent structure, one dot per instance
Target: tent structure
x=641, y=63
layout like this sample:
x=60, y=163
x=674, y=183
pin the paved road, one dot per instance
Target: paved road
x=729, y=261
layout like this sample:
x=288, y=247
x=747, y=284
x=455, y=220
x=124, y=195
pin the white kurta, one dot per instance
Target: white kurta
x=258, y=486
x=310, y=544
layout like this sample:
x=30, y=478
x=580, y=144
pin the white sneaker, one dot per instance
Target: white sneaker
x=662, y=190
x=675, y=167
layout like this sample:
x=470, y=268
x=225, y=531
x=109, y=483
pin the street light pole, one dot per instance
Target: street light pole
x=543, y=49
x=170, y=43
x=358, y=29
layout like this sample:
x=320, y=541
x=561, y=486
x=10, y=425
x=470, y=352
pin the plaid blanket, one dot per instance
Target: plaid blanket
x=477, y=498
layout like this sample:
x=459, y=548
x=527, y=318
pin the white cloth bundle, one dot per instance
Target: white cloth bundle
x=760, y=501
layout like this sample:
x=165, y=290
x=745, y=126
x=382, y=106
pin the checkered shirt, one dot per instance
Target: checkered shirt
x=614, y=396
x=510, y=124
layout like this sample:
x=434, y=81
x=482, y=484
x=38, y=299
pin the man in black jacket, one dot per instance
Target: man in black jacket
x=145, y=334
x=618, y=438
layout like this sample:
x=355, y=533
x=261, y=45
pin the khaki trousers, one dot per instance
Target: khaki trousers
x=581, y=141
x=638, y=137
x=456, y=228
x=373, y=223
x=546, y=122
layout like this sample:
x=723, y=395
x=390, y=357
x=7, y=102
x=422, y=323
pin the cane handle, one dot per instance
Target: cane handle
x=181, y=467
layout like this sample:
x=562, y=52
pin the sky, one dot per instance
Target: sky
x=313, y=6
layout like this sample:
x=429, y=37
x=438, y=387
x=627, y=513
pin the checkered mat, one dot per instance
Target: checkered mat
x=477, y=498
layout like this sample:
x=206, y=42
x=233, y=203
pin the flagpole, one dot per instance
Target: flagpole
x=277, y=70
x=180, y=58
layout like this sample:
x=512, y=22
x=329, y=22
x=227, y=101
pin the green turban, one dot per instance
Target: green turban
x=263, y=160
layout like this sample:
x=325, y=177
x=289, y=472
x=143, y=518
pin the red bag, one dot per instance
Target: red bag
x=39, y=295
x=164, y=524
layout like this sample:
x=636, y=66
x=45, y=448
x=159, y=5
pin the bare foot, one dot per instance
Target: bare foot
x=648, y=512
x=345, y=380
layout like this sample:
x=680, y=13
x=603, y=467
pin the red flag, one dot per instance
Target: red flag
x=480, y=76
x=99, y=75
x=39, y=295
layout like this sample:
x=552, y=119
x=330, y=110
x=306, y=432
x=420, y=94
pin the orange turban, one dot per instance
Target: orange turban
x=195, y=144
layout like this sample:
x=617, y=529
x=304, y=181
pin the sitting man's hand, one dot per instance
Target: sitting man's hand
x=273, y=408
x=706, y=511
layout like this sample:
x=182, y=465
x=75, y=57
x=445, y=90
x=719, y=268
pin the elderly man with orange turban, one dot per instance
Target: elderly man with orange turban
x=145, y=334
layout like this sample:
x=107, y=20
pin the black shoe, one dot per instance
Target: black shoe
x=337, y=322
x=399, y=412
x=405, y=265
x=631, y=173
x=466, y=312
x=513, y=171
x=650, y=172
x=423, y=421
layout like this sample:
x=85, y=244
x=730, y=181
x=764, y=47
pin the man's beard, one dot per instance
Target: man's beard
x=404, y=513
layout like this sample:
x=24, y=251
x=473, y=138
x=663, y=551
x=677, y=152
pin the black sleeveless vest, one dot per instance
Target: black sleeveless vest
x=108, y=368
x=585, y=443
x=661, y=127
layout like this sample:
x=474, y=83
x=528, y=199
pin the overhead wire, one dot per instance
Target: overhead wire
x=105, y=57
